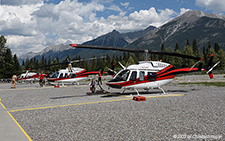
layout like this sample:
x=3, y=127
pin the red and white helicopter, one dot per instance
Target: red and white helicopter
x=78, y=74
x=29, y=76
x=148, y=74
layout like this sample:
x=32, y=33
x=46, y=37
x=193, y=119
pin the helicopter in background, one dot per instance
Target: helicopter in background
x=29, y=76
x=149, y=74
x=72, y=76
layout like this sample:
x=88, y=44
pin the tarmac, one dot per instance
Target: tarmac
x=10, y=130
x=189, y=112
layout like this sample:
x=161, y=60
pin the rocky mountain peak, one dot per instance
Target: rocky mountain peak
x=194, y=15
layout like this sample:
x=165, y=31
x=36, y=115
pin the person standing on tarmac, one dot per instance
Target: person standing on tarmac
x=100, y=78
x=41, y=76
x=14, y=78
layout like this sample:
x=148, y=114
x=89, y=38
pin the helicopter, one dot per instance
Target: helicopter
x=29, y=76
x=76, y=74
x=149, y=74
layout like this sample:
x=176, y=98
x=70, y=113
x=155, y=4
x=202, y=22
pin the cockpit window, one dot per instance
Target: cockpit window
x=122, y=76
x=54, y=75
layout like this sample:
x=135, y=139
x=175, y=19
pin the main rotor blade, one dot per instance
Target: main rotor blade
x=105, y=48
x=133, y=50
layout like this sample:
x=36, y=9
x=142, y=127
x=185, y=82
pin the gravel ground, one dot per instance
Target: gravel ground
x=197, y=114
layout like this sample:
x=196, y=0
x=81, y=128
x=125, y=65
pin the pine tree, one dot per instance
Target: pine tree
x=195, y=47
x=187, y=43
x=8, y=64
x=2, y=55
x=221, y=58
x=16, y=65
x=216, y=47
x=188, y=51
x=178, y=60
x=176, y=47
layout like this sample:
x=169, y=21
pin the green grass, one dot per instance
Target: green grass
x=217, y=84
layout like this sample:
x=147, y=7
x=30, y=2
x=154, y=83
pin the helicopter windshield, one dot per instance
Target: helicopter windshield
x=55, y=75
x=122, y=76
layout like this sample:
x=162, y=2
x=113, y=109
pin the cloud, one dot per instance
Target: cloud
x=20, y=2
x=125, y=4
x=34, y=26
x=183, y=10
x=151, y=17
x=215, y=5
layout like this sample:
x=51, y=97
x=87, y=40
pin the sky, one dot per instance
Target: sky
x=32, y=25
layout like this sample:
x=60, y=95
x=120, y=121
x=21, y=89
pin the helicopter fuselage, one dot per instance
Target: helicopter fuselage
x=146, y=75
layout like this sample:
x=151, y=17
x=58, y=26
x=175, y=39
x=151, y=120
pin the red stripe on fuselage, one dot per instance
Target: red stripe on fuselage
x=129, y=83
x=162, y=75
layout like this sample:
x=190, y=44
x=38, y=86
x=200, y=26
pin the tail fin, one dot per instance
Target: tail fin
x=209, y=68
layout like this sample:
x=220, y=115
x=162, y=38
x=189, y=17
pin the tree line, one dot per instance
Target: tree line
x=9, y=63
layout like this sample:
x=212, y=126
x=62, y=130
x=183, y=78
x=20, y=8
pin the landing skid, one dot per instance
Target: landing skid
x=163, y=91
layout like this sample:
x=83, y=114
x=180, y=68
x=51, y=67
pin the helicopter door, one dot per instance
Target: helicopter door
x=133, y=76
x=141, y=76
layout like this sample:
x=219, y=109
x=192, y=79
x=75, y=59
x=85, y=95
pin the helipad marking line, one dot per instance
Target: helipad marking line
x=33, y=88
x=38, y=108
x=24, y=89
x=2, y=105
x=86, y=103
x=20, y=127
x=24, y=132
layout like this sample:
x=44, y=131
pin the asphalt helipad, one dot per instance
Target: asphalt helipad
x=67, y=113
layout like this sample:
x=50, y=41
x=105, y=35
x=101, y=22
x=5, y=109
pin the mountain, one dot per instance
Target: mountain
x=61, y=51
x=191, y=25
x=53, y=51
x=118, y=39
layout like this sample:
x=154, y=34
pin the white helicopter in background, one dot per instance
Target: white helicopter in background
x=149, y=74
x=29, y=76
x=77, y=74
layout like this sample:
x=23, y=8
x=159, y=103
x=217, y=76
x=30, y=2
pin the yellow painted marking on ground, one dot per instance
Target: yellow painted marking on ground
x=38, y=108
x=20, y=127
x=33, y=88
x=24, y=89
x=76, y=104
x=17, y=124
x=2, y=105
